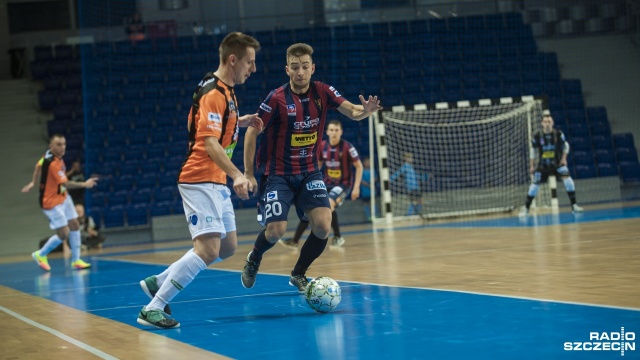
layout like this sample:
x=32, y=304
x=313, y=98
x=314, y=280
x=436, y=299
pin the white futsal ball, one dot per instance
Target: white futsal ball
x=323, y=294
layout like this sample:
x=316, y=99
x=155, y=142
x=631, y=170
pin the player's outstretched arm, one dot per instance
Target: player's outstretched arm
x=88, y=184
x=359, y=112
x=249, y=155
x=251, y=120
x=355, y=192
x=34, y=178
x=219, y=156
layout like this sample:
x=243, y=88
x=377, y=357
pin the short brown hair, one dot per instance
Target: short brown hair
x=298, y=50
x=236, y=43
x=335, y=122
x=56, y=136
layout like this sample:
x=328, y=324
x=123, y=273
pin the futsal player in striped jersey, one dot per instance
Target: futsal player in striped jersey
x=339, y=157
x=213, y=124
x=56, y=203
x=294, y=118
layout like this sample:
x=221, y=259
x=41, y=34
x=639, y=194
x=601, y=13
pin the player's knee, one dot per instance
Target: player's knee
x=74, y=225
x=322, y=229
x=569, y=184
x=275, y=231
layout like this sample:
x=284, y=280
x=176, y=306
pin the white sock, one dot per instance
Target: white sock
x=75, y=243
x=51, y=244
x=160, y=278
x=181, y=274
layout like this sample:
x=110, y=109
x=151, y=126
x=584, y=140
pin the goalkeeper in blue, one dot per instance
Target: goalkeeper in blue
x=549, y=149
x=412, y=180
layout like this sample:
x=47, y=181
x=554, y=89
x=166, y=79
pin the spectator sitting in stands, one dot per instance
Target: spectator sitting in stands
x=135, y=28
x=76, y=174
x=89, y=234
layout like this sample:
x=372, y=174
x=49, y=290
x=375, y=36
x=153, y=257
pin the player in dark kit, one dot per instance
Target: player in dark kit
x=294, y=120
x=549, y=148
x=339, y=157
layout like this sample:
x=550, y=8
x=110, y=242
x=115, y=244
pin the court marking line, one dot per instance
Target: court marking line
x=59, y=334
x=407, y=287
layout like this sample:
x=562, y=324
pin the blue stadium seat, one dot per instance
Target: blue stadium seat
x=572, y=87
x=141, y=196
x=113, y=217
x=578, y=130
x=601, y=129
x=597, y=114
x=97, y=197
x=580, y=143
x=602, y=142
x=556, y=103
x=630, y=171
x=123, y=183
x=624, y=140
x=164, y=194
x=627, y=154
x=605, y=156
x=607, y=169
x=137, y=216
x=582, y=158
x=42, y=52
x=161, y=208
x=585, y=171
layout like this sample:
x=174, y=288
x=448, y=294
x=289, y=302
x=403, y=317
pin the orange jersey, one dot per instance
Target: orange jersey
x=216, y=116
x=52, y=180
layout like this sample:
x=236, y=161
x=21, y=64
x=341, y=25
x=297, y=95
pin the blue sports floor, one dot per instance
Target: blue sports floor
x=373, y=321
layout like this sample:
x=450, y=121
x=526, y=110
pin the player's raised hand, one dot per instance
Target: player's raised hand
x=91, y=182
x=253, y=183
x=241, y=187
x=252, y=120
x=26, y=188
x=370, y=105
x=355, y=193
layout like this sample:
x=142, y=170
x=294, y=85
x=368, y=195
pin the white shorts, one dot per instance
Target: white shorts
x=208, y=209
x=60, y=215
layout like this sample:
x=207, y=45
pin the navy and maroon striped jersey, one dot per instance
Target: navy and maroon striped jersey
x=338, y=163
x=293, y=127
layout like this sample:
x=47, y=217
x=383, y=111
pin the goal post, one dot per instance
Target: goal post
x=455, y=159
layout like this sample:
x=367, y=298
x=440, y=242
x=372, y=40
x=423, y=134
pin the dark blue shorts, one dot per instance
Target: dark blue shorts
x=338, y=193
x=278, y=192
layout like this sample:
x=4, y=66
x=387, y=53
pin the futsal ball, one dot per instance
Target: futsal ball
x=323, y=294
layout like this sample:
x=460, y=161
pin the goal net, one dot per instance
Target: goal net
x=445, y=162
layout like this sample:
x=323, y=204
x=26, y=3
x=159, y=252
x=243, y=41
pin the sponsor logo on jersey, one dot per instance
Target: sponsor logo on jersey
x=229, y=149
x=215, y=117
x=232, y=105
x=304, y=139
x=335, y=92
x=335, y=174
x=193, y=219
x=272, y=196
x=333, y=163
x=265, y=107
x=203, y=84
x=316, y=185
x=353, y=152
x=308, y=123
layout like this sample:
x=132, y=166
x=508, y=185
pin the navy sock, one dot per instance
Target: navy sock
x=302, y=226
x=260, y=247
x=334, y=224
x=311, y=250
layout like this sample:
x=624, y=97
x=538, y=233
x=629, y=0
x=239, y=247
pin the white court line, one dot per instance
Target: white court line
x=62, y=336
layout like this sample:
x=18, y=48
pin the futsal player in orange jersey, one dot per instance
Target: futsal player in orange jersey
x=56, y=203
x=213, y=134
